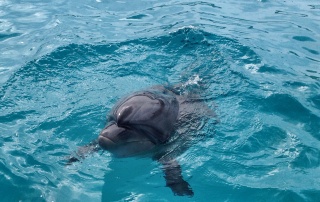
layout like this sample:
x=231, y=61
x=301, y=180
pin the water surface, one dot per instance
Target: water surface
x=63, y=65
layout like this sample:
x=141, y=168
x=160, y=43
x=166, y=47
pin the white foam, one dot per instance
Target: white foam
x=253, y=68
x=192, y=81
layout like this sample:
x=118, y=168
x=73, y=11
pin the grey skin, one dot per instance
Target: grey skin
x=147, y=122
x=140, y=122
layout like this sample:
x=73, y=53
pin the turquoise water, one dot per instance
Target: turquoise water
x=64, y=64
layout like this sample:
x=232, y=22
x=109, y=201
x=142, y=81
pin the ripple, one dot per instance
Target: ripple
x=316, y=101
x=311, y=194
x=15, y=116
x=290, y=13
x=137, y=17
x=308, y=158
x=303, y=38
x=291, y=108
x=266, y=138
x=7, y=36
x=315, y=6
x=314, y=52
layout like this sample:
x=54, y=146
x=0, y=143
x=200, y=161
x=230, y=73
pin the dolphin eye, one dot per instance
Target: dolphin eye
x=124, y=112
x=126, y=126
x=122, y=116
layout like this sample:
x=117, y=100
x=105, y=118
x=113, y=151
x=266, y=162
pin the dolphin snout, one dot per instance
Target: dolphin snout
x=105, y=142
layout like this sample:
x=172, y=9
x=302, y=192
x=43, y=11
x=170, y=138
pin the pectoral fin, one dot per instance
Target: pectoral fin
x=174, y=179
x=83, y=151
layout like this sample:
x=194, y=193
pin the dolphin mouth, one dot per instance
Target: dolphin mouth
x=125, y=149
x=105, y=142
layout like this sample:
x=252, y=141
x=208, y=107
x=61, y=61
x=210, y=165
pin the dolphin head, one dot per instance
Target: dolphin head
x=138, y=123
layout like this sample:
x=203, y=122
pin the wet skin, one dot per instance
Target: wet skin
x=140, y=122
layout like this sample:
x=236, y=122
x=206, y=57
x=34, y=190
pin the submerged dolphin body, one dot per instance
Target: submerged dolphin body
x=147, y=122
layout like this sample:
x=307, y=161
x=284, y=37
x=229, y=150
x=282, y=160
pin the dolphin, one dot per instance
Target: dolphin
x=146, y=122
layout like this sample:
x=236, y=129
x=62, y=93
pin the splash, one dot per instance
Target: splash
x=193, y=81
